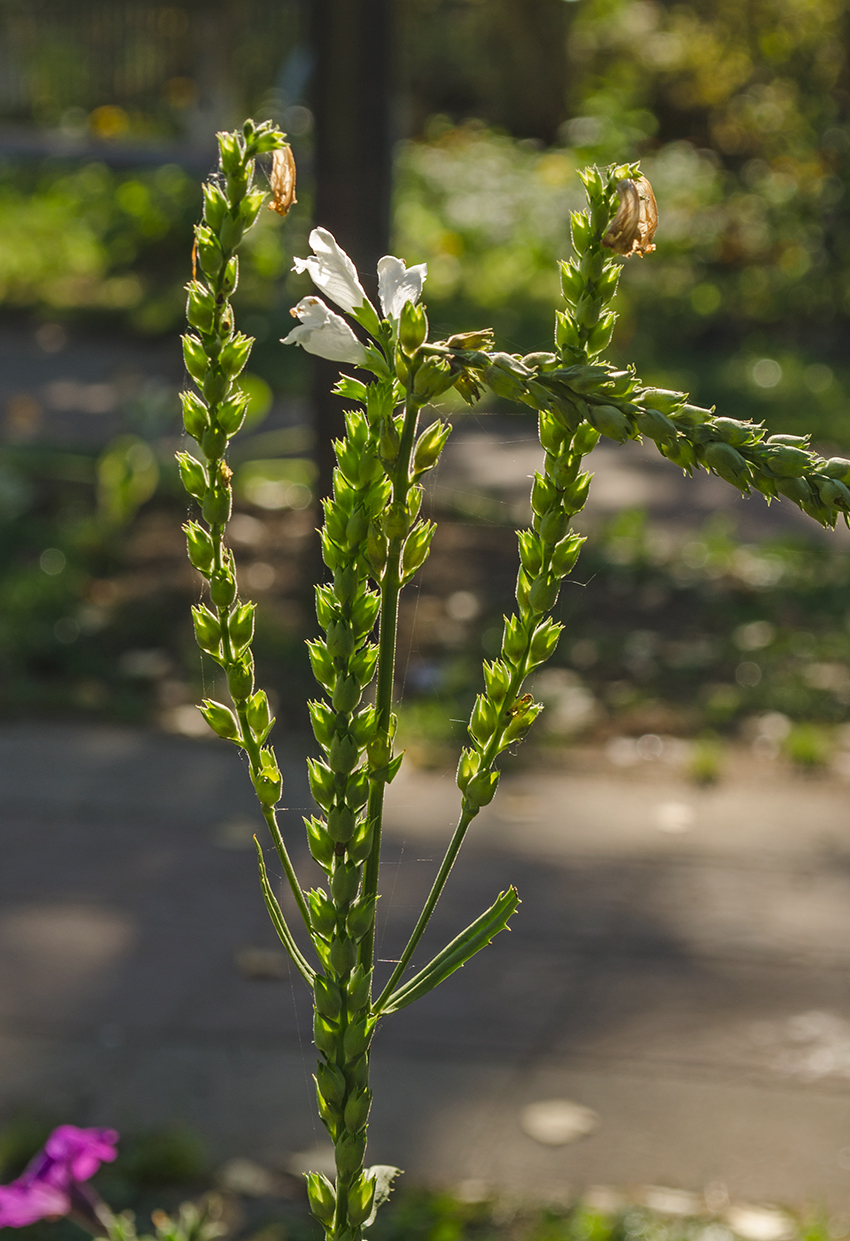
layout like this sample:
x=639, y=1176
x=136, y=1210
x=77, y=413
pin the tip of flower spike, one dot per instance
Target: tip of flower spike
x=633, y=227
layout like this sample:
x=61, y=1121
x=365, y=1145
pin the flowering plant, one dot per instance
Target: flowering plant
x=373, y=543
x=56, y=1183
x=53, y=1183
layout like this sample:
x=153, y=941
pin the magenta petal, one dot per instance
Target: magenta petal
x=22, y=1204
x=81, y=1151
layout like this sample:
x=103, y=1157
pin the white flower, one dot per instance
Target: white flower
x=398, y=284
x=324, y=333
x=333, y=272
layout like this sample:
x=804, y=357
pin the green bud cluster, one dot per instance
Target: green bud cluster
x=341, y=837
x=215, y=354
x=502, y=715
x=589, y=280
x=373, y=542
x=615, y=404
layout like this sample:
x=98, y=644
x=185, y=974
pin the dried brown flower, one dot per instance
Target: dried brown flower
x=282, y=181
x=633, y=227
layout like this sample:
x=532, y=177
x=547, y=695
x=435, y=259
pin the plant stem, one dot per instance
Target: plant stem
x=270, y=816
x=467, y=816
x=390, y=592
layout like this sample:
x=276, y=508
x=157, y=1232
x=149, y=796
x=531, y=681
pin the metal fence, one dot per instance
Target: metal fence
x=136, y=69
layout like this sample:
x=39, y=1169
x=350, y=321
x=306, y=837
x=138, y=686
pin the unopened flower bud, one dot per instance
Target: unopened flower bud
x=796, y=489
x=259, y=716
x=833, y=493
x=483, y=720
x=467, y=768
x=207, y=630
x=220, y=719
x=681, y=453
x=786, y=461
x=429, y=446
x=325, y=1035
x=268, y=782
x=837, y=467
x=513, y=640
x=356, y=1114
x=610, y=421
x=192, y=475
x=585, y=439
x=222, y=589
x=200, y=547
x=389, y=439
x=240, y=678
x=349, y=1154
x=340, y=639
x=343, y=754
x=329, y=1003
x=553, y=526
x=690, y=416
x=320, y=844
x=360, y=918
x=240, y=625
x=522, y=717
x=360, y=845
x=733, y=432
x=588, y=309
x=481, y=789
x=412, y=328
x=657, y=426
x=497, y=679
x=322, y=1197
x=343, y=955
x=481, y=339
x=433, y=377
x=566, y=554
x=357, y=1038
x=216, y=506
x=543, y=594
x=727, y=462
x=341, y=824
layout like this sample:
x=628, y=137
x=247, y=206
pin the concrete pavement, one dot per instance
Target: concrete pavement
x=690, y=986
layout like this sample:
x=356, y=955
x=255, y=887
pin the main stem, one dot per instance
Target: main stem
x=390, y=592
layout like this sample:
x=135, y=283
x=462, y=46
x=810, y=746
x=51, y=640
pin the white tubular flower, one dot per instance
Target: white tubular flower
x=333, y=272
x=398, y=284
x=324, y=333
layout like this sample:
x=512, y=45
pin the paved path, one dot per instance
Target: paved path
x=690, y=987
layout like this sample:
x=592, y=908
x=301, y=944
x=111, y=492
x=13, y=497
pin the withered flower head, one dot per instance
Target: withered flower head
x=633, y=227
x=282, y=181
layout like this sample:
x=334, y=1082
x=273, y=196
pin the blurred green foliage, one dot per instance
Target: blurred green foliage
x=113, y=247
x=701, y=636
x=740, y=111
x=433, y=1215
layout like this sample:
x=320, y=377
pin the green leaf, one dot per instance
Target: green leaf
x=476, y=936
x=383, y=1174
x=280, y=925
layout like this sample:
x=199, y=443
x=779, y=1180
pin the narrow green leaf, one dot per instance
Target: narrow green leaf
x=476, y=936
x=280, y=925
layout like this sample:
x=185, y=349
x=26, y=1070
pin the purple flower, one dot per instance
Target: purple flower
x=51, y=1185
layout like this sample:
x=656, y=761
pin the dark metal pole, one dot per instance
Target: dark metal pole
x=352, y=104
